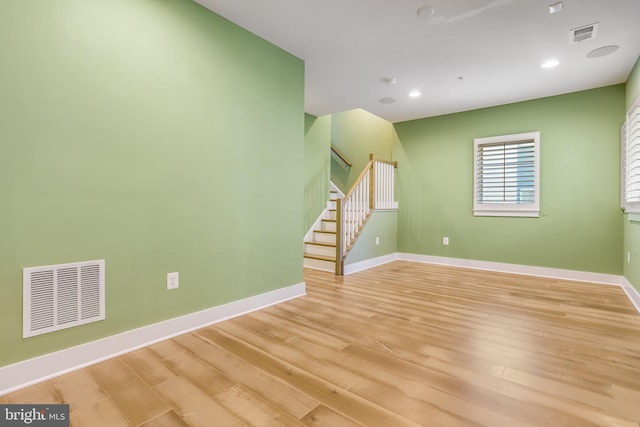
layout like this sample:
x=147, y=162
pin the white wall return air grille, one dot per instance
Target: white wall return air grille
x=61, y=296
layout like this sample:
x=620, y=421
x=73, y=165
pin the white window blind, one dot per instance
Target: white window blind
x=631, y=160
x=506, y=175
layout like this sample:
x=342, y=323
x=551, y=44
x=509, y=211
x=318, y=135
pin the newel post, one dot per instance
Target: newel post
x=339, y=237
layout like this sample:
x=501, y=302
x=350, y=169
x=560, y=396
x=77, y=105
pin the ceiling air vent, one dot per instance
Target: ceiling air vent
x=581, y=34
x=61, y=296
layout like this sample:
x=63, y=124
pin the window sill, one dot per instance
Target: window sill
x=507, y=213
x=632, y=211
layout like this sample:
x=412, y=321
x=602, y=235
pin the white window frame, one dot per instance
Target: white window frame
x=629, y=138
x=531, y=210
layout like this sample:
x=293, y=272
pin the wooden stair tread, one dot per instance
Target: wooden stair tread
x=320, y=257
x=328, y=220
x=313, y=242
x=324, y=231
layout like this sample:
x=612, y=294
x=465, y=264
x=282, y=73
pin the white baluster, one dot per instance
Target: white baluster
x=361, y=203
x=363, y=208
x=357, y=219
x=389, y=188
x=354, y=219
x=346, y=221
x=345, y=233
x=375, y=182
x=376, y=187
x=380, y=182
x=349, y=219
x=380, y=185
x=366, y=196
x=386, y=186
x=354, y=215
x=383, y=192
x=389, y=184
x=362, y=191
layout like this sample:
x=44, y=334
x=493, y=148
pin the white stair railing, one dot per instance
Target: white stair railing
x=374, y=188
x=384, y=173
x=356, y=208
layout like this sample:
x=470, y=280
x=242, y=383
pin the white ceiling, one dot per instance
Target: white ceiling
x=496, y=46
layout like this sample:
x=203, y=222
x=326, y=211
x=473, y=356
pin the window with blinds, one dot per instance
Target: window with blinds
x=631, y=159
x=506, y=175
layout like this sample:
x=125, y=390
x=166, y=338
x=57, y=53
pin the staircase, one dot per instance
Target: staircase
x=320, y=248
x=333, y=235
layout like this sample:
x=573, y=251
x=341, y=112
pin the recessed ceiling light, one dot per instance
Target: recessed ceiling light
x=555, y=8
x=602, y=51
x=550, y=63
x=386, y=101
x=415, y=94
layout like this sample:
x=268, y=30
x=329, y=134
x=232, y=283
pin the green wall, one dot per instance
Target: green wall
x=139, y=132
x=317, y=168
x=356, y=133
x=580, y=227
x=382, y=224
x=632, y=229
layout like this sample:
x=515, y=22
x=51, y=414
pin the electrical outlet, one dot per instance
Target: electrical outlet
x=377, y=241
x=173, y=280
x=445, y=241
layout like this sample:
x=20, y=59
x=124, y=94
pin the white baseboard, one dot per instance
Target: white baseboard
x=555, y=273
x=632, y=293
x=369, y=263
x=32, y=371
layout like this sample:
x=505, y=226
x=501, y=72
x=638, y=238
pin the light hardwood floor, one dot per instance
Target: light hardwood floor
x=401, y=344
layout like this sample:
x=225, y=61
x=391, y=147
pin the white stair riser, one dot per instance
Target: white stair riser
x=332, y=215
x=320, y=250
x=333, y=195
x=324, y=237
x=331, y=204
x=328, y=226
x=318, y=264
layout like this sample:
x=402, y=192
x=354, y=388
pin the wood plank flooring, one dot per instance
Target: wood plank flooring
x=402, y=344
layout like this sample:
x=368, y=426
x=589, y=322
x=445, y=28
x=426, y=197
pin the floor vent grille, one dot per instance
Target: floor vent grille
x=61, y=296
